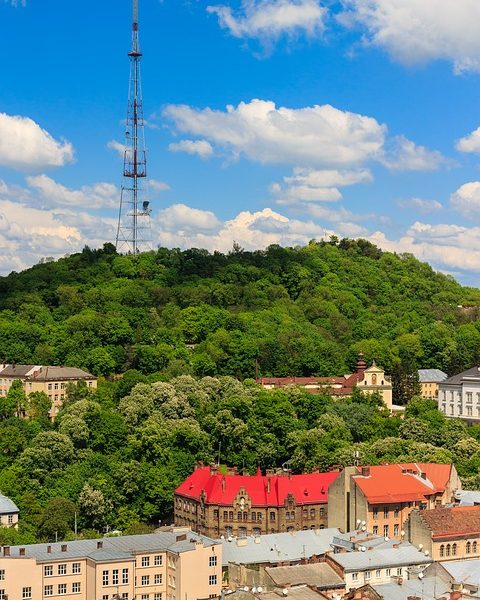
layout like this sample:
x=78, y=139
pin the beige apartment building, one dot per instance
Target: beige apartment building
x=51, y=380
x=170, y=565
x=8, y=512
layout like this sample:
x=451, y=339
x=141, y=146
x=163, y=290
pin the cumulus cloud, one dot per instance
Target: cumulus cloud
x=201, y=148
x=51, y=193
x=24, y=145
x=418, y=31
x=469, y=143
x=421, y=205
x=185, y=218
x=404, y=155
x=268, y=20
x=158, y=186
x=466, y=200
x=315, y=137
x=309, y=185
x=118, y=147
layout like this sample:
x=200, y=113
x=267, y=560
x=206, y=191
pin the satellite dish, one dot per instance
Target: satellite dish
x=260, y=589
x=246, y=588
x=386, y=538
x=359, y=521
x=285, y=592
x=364, y=528
x=421, y=576
x=363, y=549
x=254, y=590
x=364, y=522
x=427, y=552
x=420, y=546
x=222, y=537
x=402, y=533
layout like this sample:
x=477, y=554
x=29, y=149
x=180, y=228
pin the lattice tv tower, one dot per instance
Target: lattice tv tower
x=134, y=227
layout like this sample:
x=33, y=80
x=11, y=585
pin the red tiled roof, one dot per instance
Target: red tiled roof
x=343, y=385
x=403, y=482
x=222, y=489
x=456, y=520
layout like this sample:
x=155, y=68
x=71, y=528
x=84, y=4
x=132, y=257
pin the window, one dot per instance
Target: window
x=49, y=386
x=395, y=530
x=259, y=516
x=242, y=532
x=225, y=515
x=312, y=513
x=368, y=575
x=388, y=572
x=254, y=516
x=396, y=512
x=48, y=570
x=385, y=531
x=212, y=561
x=157, y=561
x=26, y=593
x=375, y=530
x=3, y=595
x=215, y=514
x=62, y=569
x=454, y=550
x=385, y=513
x=257, y=531
x=375, y=513
x=474, y=547
x=124, y=575
x=2, y=574
x=469, y=411
x=378, y=573
x=442, y=550
x=62, y=589
x=447, y=550
x=354, y=576
x=145, y=561
x=105, y=578
x=76, y=568
x=55, y=386
x=125, y=596
x=76, y=587
x=10, y=519
x=157, y=596
x=212, y=580
x=399, y=571
x=157, y=579
x=48, y=590
x=145, y=596
x=105, y=597
x=115, y=577
x=469, y=397
x=272, y=516
x=145, y=579
x=239, y=516
x=468, y=548
x=230, y=515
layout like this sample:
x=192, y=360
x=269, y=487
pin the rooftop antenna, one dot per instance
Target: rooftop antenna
x=134, y=228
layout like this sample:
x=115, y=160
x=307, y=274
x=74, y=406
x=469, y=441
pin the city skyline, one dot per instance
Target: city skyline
x=268, y=121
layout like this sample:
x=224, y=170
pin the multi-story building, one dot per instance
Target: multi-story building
x=429, y=380
x=459, y=396
x=368, y=380
x=8, y=512
x=447, y=533
x=215, y=503
x=52, y=381
x=379, y=499
x=171, y=565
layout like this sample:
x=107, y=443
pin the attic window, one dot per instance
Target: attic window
x=305, y=491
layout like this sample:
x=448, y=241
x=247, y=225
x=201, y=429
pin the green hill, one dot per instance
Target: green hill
x=299, y=311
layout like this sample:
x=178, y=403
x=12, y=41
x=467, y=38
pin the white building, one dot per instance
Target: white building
x=459, y=396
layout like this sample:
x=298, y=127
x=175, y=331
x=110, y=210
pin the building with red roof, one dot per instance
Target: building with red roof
x=369, y=380
x=380, y=498
x=232, y=504
x=446, y=533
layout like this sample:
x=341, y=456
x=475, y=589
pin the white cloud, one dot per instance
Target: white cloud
x=25, y=146
x=201, y=148
x=418, y=31
x=404, y=155
x=469, y=143
x=316, y=137
x=158, y=186
x=118, y=147
x=185, y=218
x=270, y=19
x=52, y=193
x=466, y=200
x=317, y=185
x=421, y=205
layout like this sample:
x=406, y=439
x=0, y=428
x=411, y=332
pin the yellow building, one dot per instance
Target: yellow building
x=8, y=512
x=170, y=565
x=429, y=380
x=38, y=378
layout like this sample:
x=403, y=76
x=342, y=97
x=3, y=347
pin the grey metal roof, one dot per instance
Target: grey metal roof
x=114, y=548
x=406, y=554
x=278, y=547
x=7, y=507
x=464, y=571
x=467, y=497
x=470, y=374
x=431, y=376
x=319, y=575
x=15, y=370
x=429, y=587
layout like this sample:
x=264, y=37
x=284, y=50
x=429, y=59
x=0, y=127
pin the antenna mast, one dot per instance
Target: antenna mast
x=134, y=229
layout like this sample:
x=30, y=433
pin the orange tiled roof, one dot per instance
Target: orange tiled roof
x=455, y=520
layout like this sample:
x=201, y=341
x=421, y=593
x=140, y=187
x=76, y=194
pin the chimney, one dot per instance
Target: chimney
x=21, y=551
x=64, y=547
x=365, y=471
x=270, y=472
x=49, y=549
x=268, y=485
x=413, y=598
x=455, y=595
x=6, y=551
x=181, y=538
x=224, y=484
x=423, y=475
x=99, y=545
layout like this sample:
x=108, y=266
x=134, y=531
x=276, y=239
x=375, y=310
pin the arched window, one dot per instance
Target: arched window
x=474, y=547
x=468, y=548
x=454, y=550
x=447, y=550
x=442, y=550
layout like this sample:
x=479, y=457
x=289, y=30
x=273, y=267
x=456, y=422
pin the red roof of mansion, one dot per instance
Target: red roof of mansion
x=405, y=482
x=263, y=490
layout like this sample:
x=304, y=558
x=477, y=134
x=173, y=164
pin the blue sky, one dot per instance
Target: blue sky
x=269, y=121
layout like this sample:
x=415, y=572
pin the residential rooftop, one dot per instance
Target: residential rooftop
x=7, y=506
x=445, y=522
x=431, y=376
x=429, y=587
x=405, y=554
x=112, y=548
x=466, y=572
x=470, y=375
x=318, y=575
x=43, y=373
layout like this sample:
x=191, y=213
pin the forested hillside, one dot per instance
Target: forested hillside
x=298, y=311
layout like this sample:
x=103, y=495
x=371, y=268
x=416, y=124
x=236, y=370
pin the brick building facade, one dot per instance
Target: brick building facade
x=214, y=504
